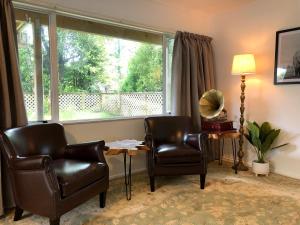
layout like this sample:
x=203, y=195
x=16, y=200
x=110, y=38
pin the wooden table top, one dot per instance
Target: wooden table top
x=224, y=134
x=130, y=150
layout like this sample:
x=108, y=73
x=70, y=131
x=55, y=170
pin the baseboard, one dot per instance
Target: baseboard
x=140, y=170
x=121, y=175
x=230, y=160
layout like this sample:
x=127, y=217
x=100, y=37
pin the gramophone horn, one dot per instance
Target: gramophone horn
x=211, y=104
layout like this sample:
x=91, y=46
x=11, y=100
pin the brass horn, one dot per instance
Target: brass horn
x=211, y=104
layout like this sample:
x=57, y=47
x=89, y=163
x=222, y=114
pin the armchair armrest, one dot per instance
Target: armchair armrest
x=35, y=170
x=198, y=140
x=32, y=162
x=149, y=140
x=91, y=151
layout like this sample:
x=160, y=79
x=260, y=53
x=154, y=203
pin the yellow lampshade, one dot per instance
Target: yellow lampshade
x=243, y=64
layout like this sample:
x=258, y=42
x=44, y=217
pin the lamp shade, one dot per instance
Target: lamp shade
x=243, y=64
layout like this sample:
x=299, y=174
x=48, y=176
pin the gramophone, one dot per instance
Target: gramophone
x=214, y=116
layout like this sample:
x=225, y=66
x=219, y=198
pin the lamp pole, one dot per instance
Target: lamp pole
x=243, y=64
x=240, y=165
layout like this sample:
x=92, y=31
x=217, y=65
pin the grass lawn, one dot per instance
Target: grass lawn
x=81, y=115
x=68, y=115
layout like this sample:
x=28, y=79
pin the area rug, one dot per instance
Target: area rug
x=228, y=199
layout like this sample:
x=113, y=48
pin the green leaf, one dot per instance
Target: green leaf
x=256, y=142
x=266, y=145
x=256, y=124
x=261, y=137
x=253, y=130
x=265, y=130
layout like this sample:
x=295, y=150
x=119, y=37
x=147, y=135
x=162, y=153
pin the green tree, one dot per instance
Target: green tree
x=144, y=70
x=26, y=68
x=81, y=60
x=46, y=61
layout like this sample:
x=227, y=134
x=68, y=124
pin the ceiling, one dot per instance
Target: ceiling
x=205, y=6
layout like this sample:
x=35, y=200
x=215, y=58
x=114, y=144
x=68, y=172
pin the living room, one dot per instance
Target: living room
x=124, y=38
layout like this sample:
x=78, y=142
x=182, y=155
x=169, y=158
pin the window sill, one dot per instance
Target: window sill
x=74, y=122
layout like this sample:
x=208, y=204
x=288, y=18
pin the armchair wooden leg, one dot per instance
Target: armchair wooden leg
x=54, y=221
x=18, y=213
x=152, y=184
x=202, y=180
x=102, y=199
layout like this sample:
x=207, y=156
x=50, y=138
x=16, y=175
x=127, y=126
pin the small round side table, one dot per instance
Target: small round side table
x=233, y=135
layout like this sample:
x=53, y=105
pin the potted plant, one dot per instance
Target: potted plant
x=261, y=138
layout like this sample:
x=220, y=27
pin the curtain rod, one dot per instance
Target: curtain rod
x=81, y=15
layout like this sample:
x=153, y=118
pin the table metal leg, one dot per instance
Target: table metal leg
x=127, y=177
x=221, y=152
x=233, y=144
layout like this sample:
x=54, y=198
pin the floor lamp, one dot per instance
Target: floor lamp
x=242, y=65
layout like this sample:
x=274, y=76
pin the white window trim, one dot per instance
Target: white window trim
x=73, y=122
x=164, y=78
x=54, y=67
x=48, y=9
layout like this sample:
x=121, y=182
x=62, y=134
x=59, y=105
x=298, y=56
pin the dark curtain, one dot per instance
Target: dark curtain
x=193, y=73
x=12, y=107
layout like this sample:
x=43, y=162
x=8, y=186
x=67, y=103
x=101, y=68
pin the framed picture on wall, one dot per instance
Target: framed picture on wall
x=287, y=57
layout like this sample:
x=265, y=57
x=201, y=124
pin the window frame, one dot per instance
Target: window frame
x=54, y=90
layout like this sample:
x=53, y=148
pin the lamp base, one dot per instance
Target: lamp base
x=240, y=166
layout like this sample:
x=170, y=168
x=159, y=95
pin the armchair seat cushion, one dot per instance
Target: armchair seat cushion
x=173, y=153
x=74, y=175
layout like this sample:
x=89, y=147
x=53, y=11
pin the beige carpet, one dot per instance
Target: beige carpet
x=227, y=199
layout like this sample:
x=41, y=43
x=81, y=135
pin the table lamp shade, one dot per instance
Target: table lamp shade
x=243, y=64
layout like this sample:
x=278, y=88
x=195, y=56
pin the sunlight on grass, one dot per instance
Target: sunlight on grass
x=84, y=115
x=68, y=115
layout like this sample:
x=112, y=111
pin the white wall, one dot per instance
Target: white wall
x=142, y=13
x=252, y=29
x=110, y=131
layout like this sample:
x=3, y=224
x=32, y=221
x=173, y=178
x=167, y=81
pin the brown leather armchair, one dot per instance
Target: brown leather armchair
x=176, y=149
x=49, y=177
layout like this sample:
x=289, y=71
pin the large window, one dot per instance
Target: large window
x=34, y=60
x=103, y=71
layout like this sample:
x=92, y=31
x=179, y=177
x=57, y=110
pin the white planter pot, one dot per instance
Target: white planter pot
x=260, y=168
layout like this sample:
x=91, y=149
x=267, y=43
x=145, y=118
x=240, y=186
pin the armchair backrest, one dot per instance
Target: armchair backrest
x=39, y=139
x=168, y=129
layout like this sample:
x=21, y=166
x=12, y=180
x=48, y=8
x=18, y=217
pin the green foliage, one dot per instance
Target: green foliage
x=264, y=130
x=81, y=61
x=144, y=70
x=26, y=68
x=261, y=137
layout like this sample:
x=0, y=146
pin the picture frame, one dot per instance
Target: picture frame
x=287, y=57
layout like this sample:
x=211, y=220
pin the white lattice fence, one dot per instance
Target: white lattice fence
x=124, y=104
x=70, y=102
x=111, y=103
x=93, y=102
x=154, y=101
x=30, y=103
x=80, y=102
x=138, y=104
